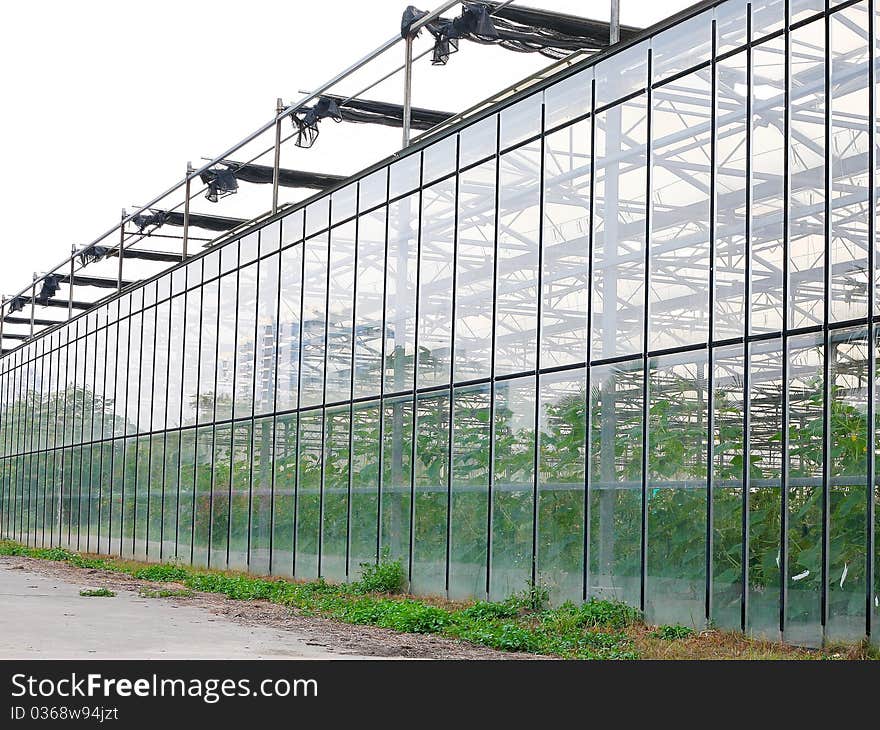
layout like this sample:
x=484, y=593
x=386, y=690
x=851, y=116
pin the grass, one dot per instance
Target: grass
x=97, y=593
x=522, y=623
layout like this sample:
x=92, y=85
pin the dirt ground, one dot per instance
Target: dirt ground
x=325, y=638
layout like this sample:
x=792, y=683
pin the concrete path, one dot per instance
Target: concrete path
x=45, y=618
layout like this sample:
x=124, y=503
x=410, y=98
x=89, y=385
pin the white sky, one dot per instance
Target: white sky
x=104, y=102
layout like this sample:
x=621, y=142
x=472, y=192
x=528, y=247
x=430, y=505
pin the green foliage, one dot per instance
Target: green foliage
x=535, y=597
x=386, y=576
x=162, y=573
x=521, y=623
x=97, y=593
x=672, y=633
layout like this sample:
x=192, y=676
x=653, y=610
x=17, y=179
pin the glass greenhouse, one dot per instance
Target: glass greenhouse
x=615, y=334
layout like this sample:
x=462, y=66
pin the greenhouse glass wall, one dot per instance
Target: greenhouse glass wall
x=615, y=335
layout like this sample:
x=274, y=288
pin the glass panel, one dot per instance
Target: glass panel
x=240, y=487
x=175, y=363
x=562, y=440
x=196, y=487
x=260, y=541
x=437, y=255
x=619, y=230
x=373, y=189
x=478, y=141
x=681, y=129
x=850, y=142
x=728, y=413
x=676, y=483
x=132, y=401
x=566, y=262
x=400, y=293
x=519, y=221
x=682, y=46
x=397, y=450
x=439, y=159
x=765, y=487
x=767, y=17
x=270, y=238
x=731, y=25
x=283, y=492
x=289, y=308
x=141, y=497
x=226, y=354
x=292, y=227
x=474, y=278
x=221, y=492
x=208, y=352
x=314, y=312
x=160, y=367
x=248, y=248
x=803, y=620
x=521, y=121
x=806, y=299
x=624, y=73
x=245, y=343
x=405, y=174
x=340, y=313
x=730, y=197
x=175, y=446
x=431, y=493
x=318, y=216
x=363, y=539
x=369, y=310
x=568, y=99
x=153, y=498
x=129, y=487
x=194, y=313
x=768, y=169
x=267, y=336
x=469, y=515
x=344, y=203
x=334, y=503
x=848, y=494
x=229, y=257
x=308, y=498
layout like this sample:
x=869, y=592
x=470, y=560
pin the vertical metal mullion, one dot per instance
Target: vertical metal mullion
x=329, y=238
x=275, y=405
x=784, y=519
x=710, y=400
x=382, y=374
x=179, y=445
x=415, y=411
x=250, y=449
x=826, y=339
x=538, y=347
x=492, y=381
x=872, y=348
x=451, y=410
x=155, y=309
x=354, y=314
x=747, y=323
x=588, y=334
x=232, y=424
x=302, y=291
x=645, y=332
x=197, y=427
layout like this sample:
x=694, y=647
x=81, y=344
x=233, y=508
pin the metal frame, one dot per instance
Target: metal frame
x=17, y=375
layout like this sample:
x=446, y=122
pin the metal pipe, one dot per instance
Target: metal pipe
x=614, y=26
x=357, y=65
x=407, y=89
x=279, y=108
x=121, y=251
x=70, y=296
x=33, y=300
x=187, y=194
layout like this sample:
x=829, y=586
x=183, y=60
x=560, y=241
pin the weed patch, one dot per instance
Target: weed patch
x=97, y=593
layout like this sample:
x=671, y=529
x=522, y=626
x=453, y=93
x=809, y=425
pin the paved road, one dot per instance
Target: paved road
x=45, y=618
